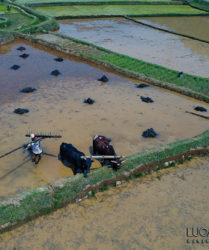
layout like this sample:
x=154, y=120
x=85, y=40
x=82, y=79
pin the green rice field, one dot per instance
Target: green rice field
x=108, y=10
x=3, y=9
x=17, y=21
x=87, y=1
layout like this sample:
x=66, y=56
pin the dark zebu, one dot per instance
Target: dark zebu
x=71, y=155
x=102, y=146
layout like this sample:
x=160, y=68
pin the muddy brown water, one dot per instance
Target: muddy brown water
x=149, y=213
x=135, y=40
x=193, y=26
x=57, y=107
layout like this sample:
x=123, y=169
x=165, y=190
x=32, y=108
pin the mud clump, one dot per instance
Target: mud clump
x=21, y=48
x=59, y=59
x=201, y=109
x=149, y=133
x=20, y=111
x=141, y=86
x=55, y=72
x=24, y=56
x=89, y=101
x=103, y=79
x=15, y=67
x=146, y=99
x=28, y=90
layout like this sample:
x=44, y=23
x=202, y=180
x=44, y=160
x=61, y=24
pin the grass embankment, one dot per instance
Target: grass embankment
x=17, y=21
x=190, y=85
x=119, y=10
x=6, y=37
x=84, y=2
x=200, y=4
x=17, y=210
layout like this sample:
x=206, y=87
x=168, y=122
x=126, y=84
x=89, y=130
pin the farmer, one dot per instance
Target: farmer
x=35, y=147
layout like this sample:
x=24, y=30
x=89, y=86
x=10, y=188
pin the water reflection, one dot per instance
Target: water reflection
x=144, y=43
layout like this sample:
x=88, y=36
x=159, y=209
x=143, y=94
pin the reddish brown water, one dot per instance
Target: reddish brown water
x=147, y=44
x=57, y=106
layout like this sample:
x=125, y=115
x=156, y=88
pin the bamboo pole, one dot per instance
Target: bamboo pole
x=203, y=116
x=1, y=156
x=102, y=157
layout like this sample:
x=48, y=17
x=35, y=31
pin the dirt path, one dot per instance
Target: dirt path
x=148, y=213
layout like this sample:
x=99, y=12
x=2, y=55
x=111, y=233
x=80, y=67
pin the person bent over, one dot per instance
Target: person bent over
x=35, y=147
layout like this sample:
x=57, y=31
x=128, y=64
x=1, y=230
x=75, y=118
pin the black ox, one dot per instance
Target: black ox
x=102, y=146
x=71, y=155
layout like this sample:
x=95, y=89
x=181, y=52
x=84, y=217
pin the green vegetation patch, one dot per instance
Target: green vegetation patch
x=5, y=11
x=201, y=4
x=17, y=20
x=25, y=20
x=119, y=10
x=5, y=37
x=89, y=1
x=24, y=205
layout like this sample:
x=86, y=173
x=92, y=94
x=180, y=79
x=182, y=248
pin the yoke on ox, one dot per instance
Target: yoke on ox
x=71, y=155
x=102, y=146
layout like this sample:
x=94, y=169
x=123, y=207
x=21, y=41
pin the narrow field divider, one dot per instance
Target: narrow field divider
x=165, y=30
x=190, y=85
x=45, y=4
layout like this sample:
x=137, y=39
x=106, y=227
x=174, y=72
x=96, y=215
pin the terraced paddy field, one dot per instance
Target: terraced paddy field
x=146, y=213
x=16, y=19
x=3, y=10
x=118, y=10
x=89, y=2
x=57, y=106
x=126, y=37
x=193, y=26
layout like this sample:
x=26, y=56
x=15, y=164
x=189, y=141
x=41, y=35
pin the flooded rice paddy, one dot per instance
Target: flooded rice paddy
x=192, y=26
x=146, y=213
x=126, y=37
x=57, y=107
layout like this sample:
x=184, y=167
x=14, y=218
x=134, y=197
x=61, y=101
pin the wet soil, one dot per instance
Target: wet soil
x=57, y=107
x=146, y=213
x=144, y=43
